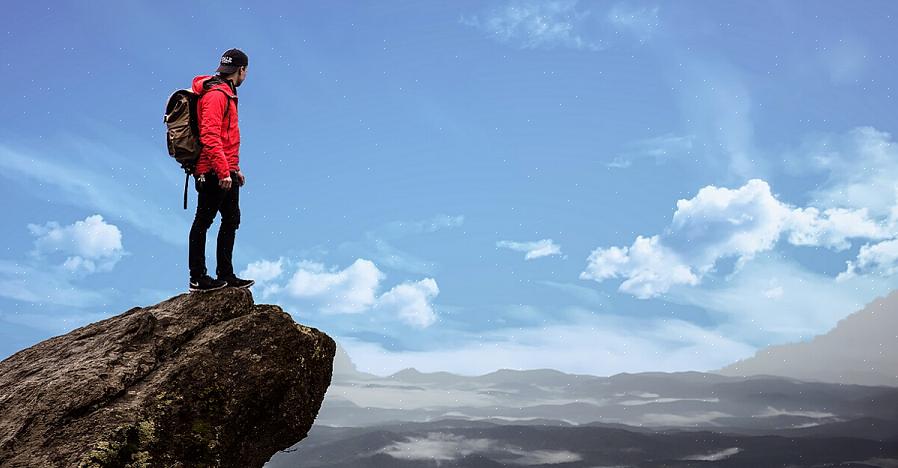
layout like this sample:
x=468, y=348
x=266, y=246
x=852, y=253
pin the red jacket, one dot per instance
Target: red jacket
x=219, y=131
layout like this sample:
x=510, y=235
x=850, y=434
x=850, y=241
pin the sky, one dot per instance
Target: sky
x=590, y=186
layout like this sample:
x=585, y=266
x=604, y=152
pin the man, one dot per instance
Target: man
x=218, y=177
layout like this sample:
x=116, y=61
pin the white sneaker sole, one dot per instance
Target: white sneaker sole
x=193, y=290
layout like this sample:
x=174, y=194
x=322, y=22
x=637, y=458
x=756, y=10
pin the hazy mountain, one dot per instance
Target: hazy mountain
x=657, y=400
x=861, y=349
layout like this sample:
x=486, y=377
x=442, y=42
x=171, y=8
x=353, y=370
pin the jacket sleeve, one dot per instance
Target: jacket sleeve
x=213, y=105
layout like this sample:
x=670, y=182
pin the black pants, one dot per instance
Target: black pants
x=212, y=199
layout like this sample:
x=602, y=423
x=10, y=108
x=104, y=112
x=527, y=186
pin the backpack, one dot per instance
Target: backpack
x=183, y=132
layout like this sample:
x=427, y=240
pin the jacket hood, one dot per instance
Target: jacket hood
x=203, y=83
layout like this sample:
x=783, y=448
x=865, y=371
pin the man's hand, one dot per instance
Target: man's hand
x=225, y=183
x=240, y=179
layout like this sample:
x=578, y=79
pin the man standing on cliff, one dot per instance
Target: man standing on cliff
x=217, y=175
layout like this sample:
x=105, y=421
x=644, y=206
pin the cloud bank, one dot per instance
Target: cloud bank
x=721, y=223
x=89, y=245
x=354, y=289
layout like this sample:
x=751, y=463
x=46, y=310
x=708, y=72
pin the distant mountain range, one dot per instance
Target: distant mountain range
x=548, y=418
x=793, y=405
x=861, y=349
x=654, y=400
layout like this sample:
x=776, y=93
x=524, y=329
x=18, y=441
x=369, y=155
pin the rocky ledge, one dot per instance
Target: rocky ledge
x=197, y=380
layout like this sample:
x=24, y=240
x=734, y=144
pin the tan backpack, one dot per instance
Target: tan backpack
x=183, y=133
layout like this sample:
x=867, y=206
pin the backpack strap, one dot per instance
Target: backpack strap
x=186, y=178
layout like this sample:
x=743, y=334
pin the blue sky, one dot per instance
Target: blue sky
x=595, y=187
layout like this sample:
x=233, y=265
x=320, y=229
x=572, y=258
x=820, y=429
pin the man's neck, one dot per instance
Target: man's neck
x=230, y=83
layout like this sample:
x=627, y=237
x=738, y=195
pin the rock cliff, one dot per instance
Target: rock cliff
x=197, y=380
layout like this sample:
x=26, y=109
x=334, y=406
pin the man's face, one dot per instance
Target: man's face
x=241, y=75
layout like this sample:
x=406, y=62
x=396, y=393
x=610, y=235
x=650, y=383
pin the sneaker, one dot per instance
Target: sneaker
x=205, y=283
x=235, y=282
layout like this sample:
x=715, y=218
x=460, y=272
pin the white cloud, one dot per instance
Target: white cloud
x=833, y=228
x=437, y=446
x=533, y=24
x=715, y=456
x=861, y=166
x=411, y=302
x=264, y=272
x=90, y=245
x=880, y=259
x=649, y=268
x=718, y=223
x=721, y=222
x=534, y=249
x=541, y=457
x=83, y=247
x=351, y=290
x=441, y=446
